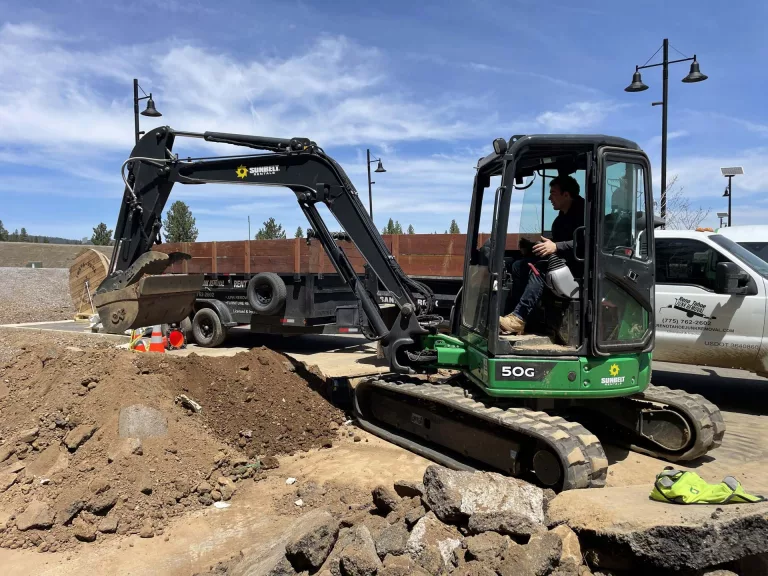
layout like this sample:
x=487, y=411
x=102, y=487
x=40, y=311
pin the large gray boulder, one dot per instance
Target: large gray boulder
x=430, y=535
x=271, y=561
x=356, y=541
x=621, y=525
x=308, y=549
x=455, y=495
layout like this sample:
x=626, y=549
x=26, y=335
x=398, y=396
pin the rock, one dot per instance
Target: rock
x=509, y=523
x=537, y=558
x=406, y=489
x=270, y=463
x=203, y=488
x=139, y=421
x=28, y=436
x=7, y=479
x=50, y=461
x=124, y=447
x=226, y=487
x=355, y=538
x=6, y=452
x=84, y=531
x=359, y=562
x=486, y=547
x=392, y=540
x=144, y=485
x=723, y=573
x=455, y=495
x=570, y=557
x=78, y=435
x=37, y=515
x=310, y=548
x=401, y=566
x=99, y=485
x=205, y=499
x=108, y=525
x=68, y=507
x=385, y=500
x=622, y=522
x=147, y=529
x=183, y=486
x=216, y=495
x=271, y=560
x=414, y=515
x=430, y=532
x=102, y=503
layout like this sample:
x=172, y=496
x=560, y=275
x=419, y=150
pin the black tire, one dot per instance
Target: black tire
x=207, y=328
x=186, y=328
x=266, y=293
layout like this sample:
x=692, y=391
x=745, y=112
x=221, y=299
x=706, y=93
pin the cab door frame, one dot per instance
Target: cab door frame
x=627, y=272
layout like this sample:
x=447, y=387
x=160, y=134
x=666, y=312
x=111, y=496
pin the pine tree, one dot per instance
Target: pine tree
x=271, y=231
x=411, y=230
x=398, y=229
x=3, y=233
x=101, y=235
x=179, y=223
x=454, y=229
x=14, y=236
x=45, y=240
x=299, y=233
x=23, y=236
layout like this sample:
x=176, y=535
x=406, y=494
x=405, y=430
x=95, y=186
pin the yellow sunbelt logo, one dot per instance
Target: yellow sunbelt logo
x=615, y=379
x=242, y=171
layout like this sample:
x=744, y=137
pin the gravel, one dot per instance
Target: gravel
x=34, y=295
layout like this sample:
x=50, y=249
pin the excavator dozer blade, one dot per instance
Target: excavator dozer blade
x=150, y=301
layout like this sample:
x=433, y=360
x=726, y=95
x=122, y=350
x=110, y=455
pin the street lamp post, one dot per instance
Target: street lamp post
x=730, y=173
x=379, y=168
x=150, y=110
x=637, y=86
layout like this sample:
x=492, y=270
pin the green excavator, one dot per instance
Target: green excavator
x=531, y=405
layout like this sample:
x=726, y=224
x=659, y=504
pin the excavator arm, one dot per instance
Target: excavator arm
x=297, y=164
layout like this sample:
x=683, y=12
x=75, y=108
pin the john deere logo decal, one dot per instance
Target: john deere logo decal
x=615, y=379
x=242, y=171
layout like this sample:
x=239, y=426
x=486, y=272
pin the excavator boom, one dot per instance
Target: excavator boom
x=297, y=164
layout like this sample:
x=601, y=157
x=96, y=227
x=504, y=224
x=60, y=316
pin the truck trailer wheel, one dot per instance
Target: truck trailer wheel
x=186, y=328
x=266, y=293
x=207, y=328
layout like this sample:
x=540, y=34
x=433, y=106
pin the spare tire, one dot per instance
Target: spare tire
x=266, y=293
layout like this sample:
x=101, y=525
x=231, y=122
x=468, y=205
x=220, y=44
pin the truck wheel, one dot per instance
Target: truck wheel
x=207, y=328
x=266, y=293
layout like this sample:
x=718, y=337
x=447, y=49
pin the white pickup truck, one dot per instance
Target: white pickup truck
x=711, y=302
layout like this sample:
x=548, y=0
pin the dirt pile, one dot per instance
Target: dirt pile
x=93, y=441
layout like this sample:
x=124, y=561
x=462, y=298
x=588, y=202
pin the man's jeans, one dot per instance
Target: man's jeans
x=527, y=285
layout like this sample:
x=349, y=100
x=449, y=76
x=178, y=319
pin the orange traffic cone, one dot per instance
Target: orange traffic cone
x=156, y=342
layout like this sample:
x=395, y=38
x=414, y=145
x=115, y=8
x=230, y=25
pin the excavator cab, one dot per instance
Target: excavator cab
x=598, y=293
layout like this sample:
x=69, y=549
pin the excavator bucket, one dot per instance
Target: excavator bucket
x=152, y=300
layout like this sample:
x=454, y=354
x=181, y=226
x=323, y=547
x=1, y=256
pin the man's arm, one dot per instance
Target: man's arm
x=564, y=246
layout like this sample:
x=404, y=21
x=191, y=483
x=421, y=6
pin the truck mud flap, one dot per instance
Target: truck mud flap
x=152, y=300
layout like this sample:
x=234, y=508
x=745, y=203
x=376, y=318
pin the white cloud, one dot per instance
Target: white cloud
x=576, y=116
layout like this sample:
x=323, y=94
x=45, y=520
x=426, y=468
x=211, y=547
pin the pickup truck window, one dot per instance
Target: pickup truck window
x=684, y=261
x=755, y=262
x=759, y=249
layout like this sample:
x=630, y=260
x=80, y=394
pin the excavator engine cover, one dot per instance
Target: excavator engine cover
x=152, y=300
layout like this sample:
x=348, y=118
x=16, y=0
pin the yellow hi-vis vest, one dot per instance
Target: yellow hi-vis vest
x=681, y=487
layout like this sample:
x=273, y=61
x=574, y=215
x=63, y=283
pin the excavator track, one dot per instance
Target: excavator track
x=461, y=427
x=704, y=419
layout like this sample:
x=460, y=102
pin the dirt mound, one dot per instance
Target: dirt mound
x=92, y=441
x=254, y=400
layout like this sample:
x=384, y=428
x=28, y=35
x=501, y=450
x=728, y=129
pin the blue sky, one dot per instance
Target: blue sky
x=425, y=85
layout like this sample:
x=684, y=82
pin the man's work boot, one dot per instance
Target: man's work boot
x=511, y=324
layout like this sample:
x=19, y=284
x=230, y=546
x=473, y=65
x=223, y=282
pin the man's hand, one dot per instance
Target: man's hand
x=544, y=248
